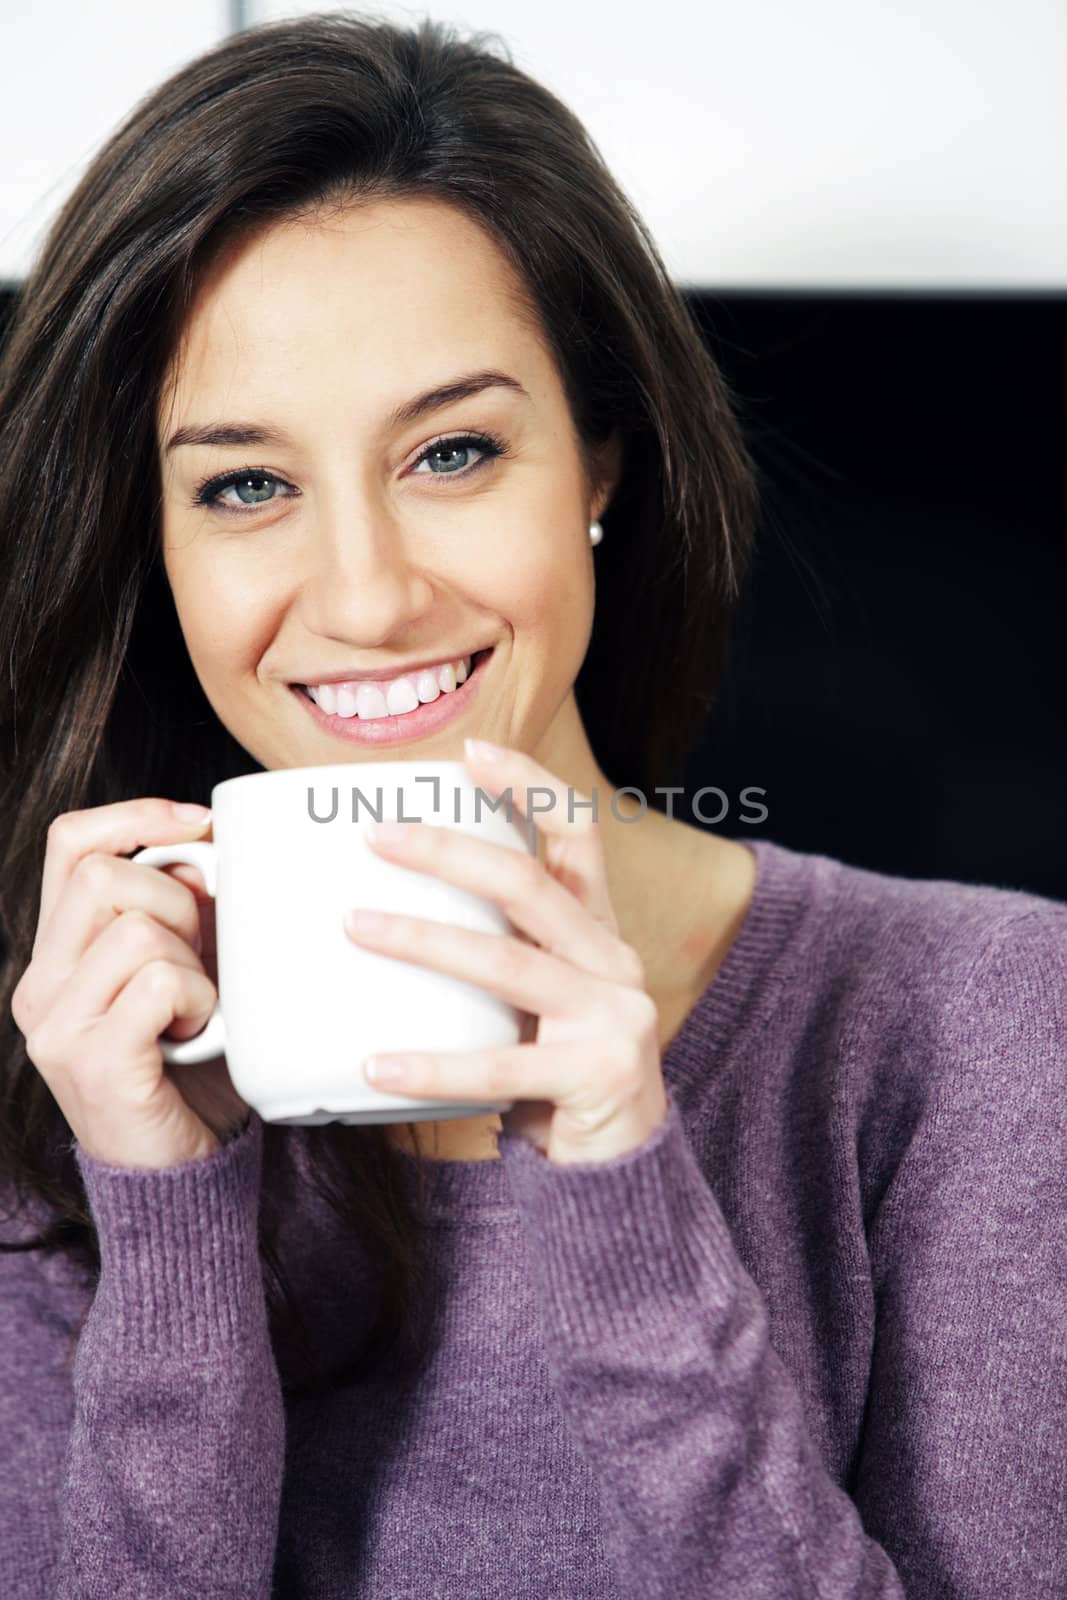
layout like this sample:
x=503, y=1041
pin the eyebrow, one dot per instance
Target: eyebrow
x=259, y=433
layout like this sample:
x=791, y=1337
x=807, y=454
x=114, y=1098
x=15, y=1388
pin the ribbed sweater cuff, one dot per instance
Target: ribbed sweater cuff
x=615, y=1245
x=179, y=1253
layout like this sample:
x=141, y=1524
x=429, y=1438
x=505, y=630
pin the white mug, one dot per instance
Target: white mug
x=301, y=1005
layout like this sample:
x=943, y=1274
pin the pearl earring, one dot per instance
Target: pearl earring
x=596, y=533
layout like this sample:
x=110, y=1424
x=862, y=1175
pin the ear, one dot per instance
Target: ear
x=607, y=466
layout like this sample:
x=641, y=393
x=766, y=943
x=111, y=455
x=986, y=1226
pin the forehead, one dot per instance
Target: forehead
x=387, y=291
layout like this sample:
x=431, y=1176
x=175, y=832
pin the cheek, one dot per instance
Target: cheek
x=536, y=578
x=222, y=616
x=545, y=595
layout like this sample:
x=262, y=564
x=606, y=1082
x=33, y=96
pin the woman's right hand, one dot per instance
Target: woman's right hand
x=116, y=961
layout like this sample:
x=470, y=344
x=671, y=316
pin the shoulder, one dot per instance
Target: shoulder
x=928, y=1018
x=952, y=952
x=977, y=1183
x=934, y=926
x=924, y=987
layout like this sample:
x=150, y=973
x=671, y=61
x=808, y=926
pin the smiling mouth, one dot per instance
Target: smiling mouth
x=419, y=719
x=477, y=658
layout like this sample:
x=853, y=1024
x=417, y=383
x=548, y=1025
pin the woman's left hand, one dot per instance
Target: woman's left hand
x=588, y=1086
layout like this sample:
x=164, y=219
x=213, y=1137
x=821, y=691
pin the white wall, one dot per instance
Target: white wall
x=916, y=144
x=70, y=72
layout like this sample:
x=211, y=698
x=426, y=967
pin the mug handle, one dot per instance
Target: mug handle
x=211, y=1040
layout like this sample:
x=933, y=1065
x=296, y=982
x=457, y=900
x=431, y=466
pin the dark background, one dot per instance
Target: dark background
x=897, y=680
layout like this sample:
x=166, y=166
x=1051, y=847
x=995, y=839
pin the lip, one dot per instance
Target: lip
x=431, y=664
x=405, y=727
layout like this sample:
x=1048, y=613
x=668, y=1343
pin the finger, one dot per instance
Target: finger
x=99, y=889
x=117, y=829
x=574, y=851
x=558, y=1074
x=532, y=899
x=189, y=875
x=158, y=997
x=117, y=1061
x=205, y=906
x=131, y=941
x=531, y=979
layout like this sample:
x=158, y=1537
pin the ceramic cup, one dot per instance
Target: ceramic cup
x=301, y=1005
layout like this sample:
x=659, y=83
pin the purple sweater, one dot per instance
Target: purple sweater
x=807, y=1341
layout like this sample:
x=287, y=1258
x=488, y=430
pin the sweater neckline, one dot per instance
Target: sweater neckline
x=479, y=1189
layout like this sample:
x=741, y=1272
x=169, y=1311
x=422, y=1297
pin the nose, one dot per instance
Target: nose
x=363, y=586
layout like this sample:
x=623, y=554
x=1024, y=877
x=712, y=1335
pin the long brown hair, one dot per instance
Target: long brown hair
x=98, y=698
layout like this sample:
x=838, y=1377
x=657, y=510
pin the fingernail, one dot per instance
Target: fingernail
x=186, y=812
x=387, y=832
x=362, y=920
x=383, y=1069
x=482, y=750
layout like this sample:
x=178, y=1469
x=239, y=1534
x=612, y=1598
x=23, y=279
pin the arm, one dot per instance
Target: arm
x=658, y=1343
x=657, y=1339
x=153, y=1465
x=969, y=1250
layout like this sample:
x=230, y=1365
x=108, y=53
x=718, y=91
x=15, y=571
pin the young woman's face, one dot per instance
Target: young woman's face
x=355, y=540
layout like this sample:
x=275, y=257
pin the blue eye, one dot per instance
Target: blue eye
x=257, y=481
x=208, y=493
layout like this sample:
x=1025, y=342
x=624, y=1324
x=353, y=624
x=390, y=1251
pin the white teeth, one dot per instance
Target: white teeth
x=400, y=697
x=390, y=698
x=370, y=702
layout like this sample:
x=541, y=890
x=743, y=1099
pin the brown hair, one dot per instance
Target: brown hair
x=98, y=698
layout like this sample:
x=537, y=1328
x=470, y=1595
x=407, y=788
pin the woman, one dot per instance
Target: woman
x=756, y=1290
